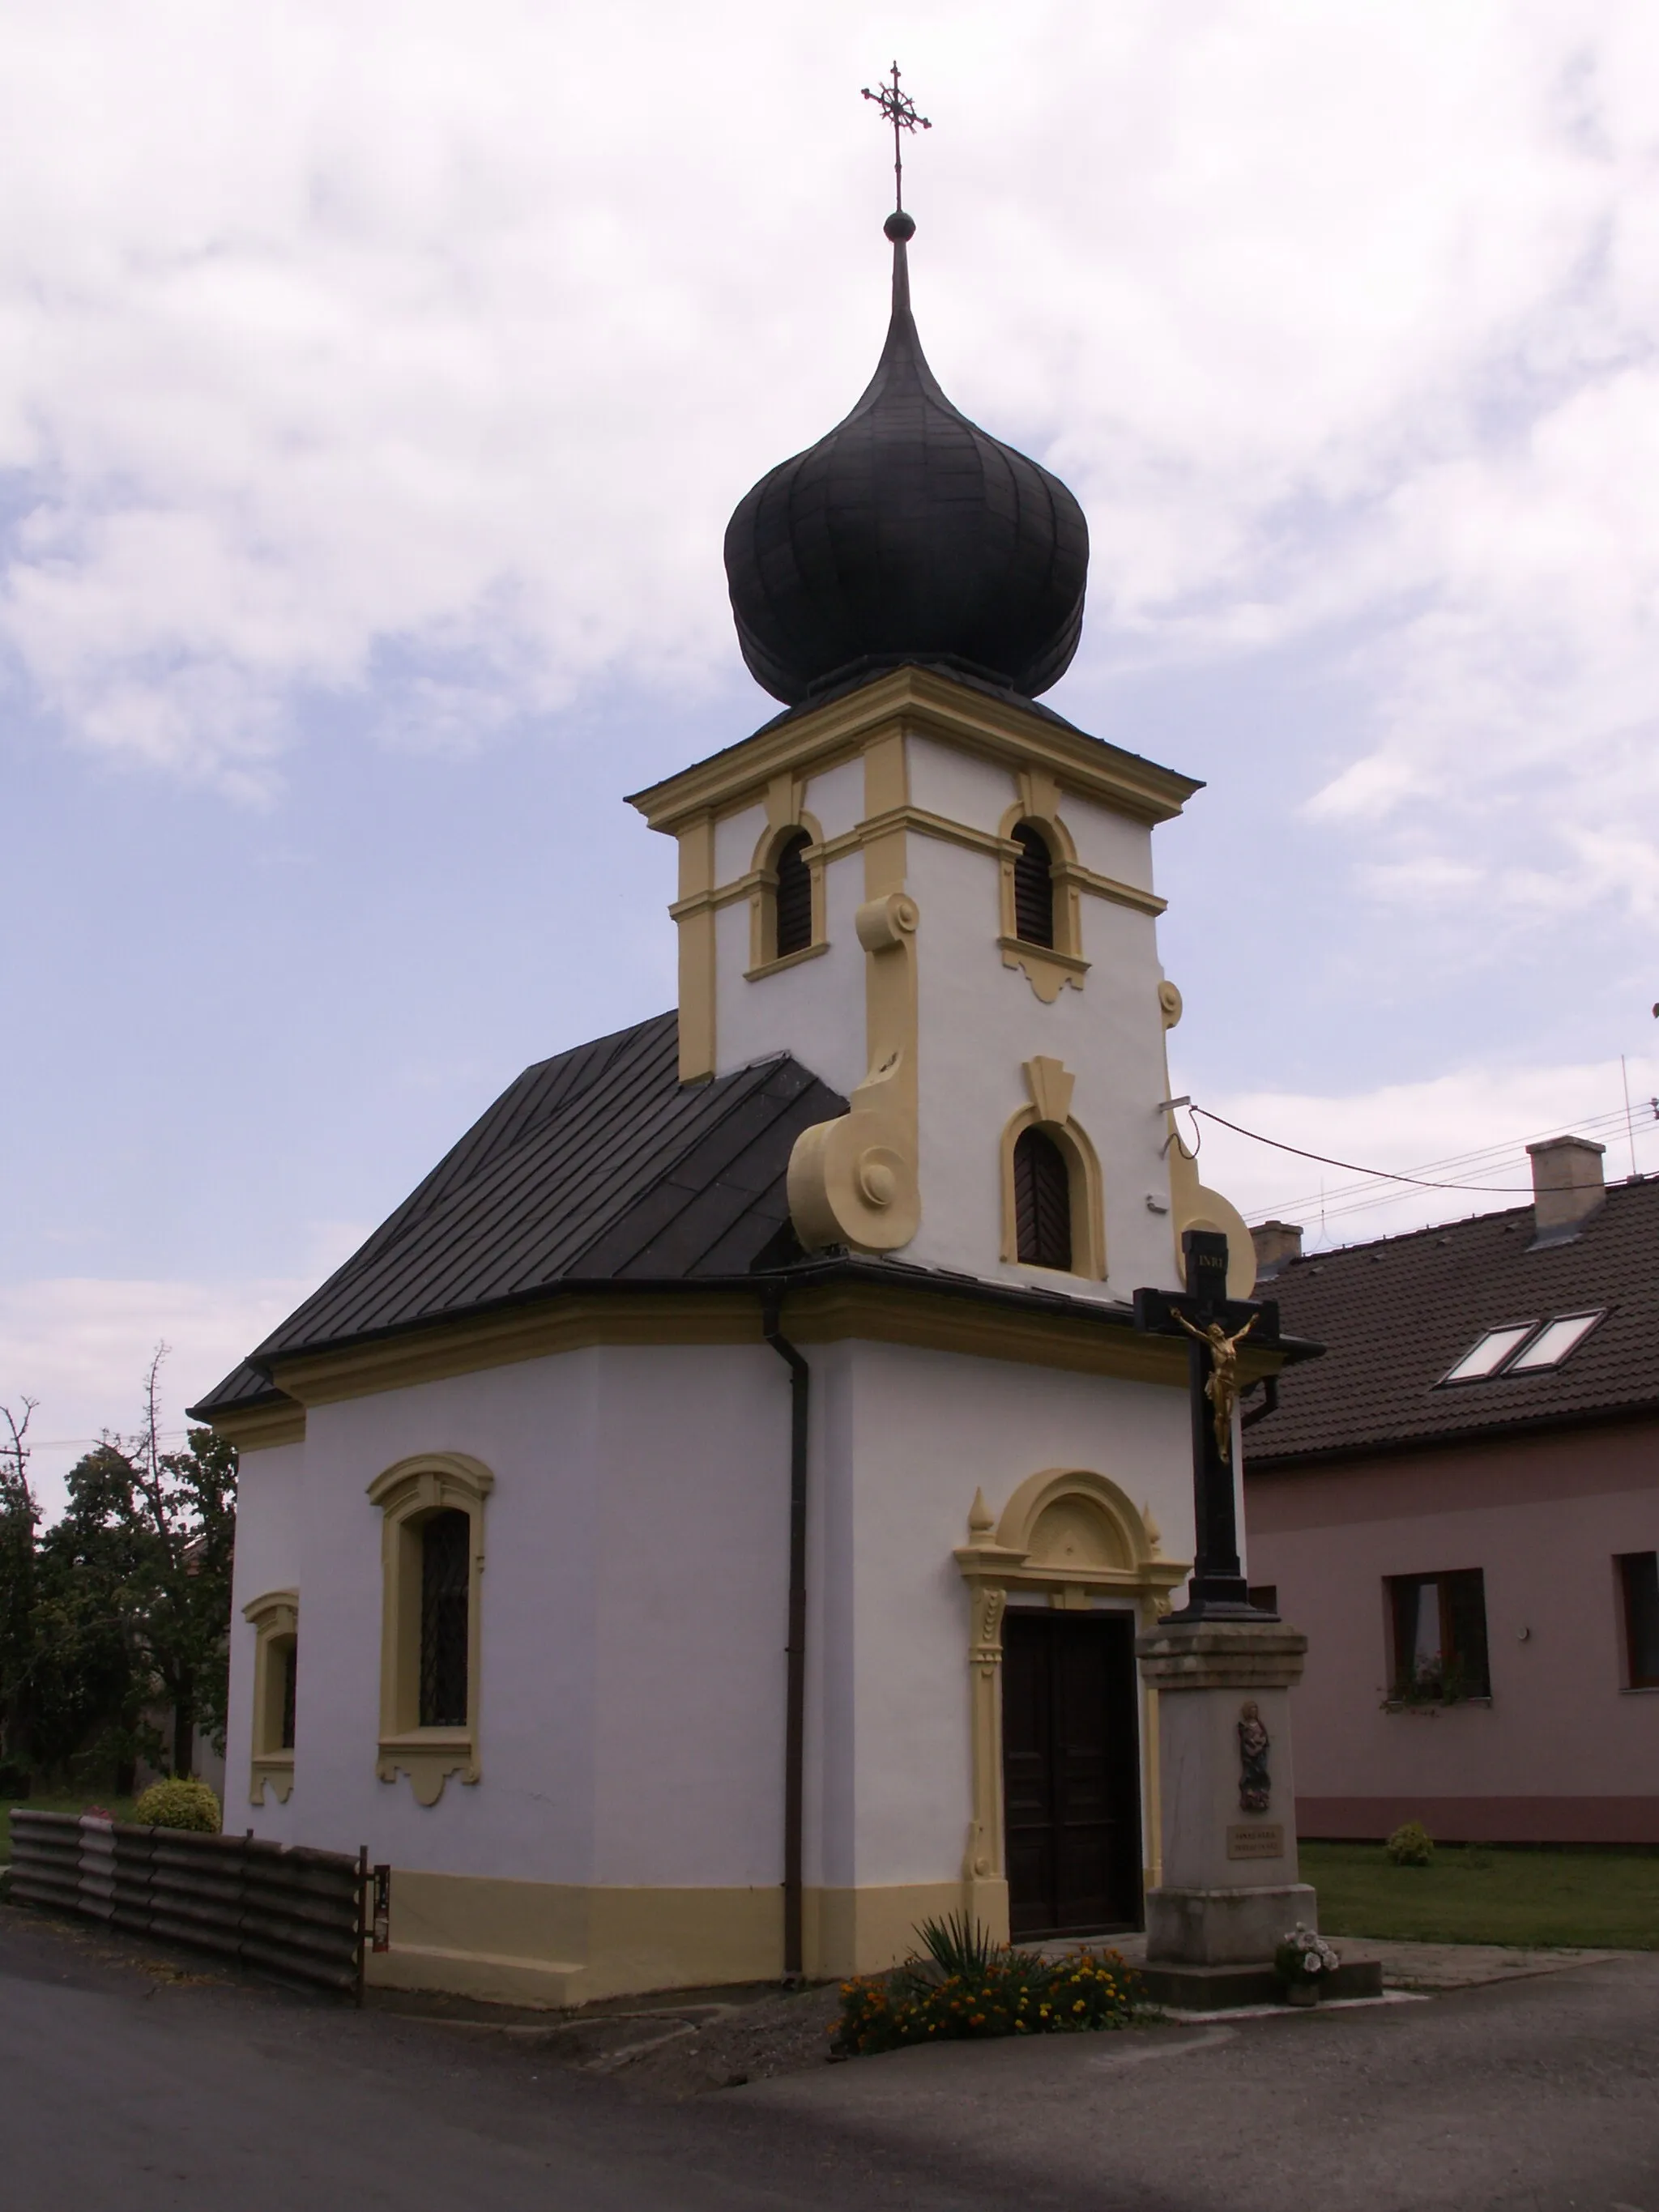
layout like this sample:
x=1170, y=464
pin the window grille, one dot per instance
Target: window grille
x=446, y=1541
x=1042, y=1201
x=1638, y=1577
x=1034, y=887
x=290, y=1684
x=1439, y=1636
x=794, y=897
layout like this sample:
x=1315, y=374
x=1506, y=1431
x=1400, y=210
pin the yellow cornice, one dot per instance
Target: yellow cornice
x=931, y=704
x=258, y=1428
x=878, y=1313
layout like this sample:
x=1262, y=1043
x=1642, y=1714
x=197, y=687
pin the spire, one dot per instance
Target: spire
x=907, y=534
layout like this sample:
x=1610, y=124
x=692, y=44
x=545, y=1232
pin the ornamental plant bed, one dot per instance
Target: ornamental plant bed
x=966, y=1987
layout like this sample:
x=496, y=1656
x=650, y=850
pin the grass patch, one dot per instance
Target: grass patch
x=1485, y=1894
x=77, y=1801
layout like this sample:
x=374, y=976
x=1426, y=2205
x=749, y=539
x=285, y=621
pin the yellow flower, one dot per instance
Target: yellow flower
x=1077, y=2007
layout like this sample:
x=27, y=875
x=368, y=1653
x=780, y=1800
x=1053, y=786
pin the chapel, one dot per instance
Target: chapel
x=702, y=1532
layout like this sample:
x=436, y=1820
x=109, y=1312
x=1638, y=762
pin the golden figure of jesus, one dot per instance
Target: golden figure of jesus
x=1222, y=1388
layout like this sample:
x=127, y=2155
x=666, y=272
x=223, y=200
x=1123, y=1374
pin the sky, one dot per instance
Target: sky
x=375, y=384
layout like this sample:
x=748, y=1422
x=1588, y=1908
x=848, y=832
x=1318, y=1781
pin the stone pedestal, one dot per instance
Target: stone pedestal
x=1229, y=1889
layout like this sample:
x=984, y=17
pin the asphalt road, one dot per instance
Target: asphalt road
x=119, y=2089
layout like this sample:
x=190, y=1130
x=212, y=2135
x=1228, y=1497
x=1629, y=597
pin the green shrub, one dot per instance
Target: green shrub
x=1411, y=1845
x=178, y=1804
x=1012, y=1993
x=959, y=1945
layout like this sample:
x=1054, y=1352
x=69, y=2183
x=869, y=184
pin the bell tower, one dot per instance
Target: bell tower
x=929, y=889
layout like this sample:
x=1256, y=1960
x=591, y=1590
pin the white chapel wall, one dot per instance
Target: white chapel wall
x=979, y=1022
x=631, y=1698
x=905, y=1438
x=270, y=1549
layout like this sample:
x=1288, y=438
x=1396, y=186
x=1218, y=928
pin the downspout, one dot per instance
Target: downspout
x=794, y=1720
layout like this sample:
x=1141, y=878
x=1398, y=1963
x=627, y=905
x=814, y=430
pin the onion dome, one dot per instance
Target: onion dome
x=907, y=534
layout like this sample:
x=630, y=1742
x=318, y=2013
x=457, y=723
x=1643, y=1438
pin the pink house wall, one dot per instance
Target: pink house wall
x=1564, y=1752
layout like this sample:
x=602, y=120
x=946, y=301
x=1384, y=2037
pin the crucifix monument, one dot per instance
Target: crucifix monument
x=1223, y=1671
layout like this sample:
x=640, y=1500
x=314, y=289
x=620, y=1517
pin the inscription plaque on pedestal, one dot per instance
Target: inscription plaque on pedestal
x=1256, y=1839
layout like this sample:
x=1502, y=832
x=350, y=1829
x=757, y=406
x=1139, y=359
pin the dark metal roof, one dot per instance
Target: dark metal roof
x=598, y=1165
x=1396, y=1315
x=907, y=534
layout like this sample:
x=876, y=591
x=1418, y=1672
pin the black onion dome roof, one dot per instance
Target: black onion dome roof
x=907, y=534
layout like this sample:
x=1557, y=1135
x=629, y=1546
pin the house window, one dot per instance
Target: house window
x=1439, y=1638
x=793, y=899
x=1033, y=886
x=276, y=1621
x=1521, y=1347
x=446, y=1541
x=1638, y=1584
x=1043, y=1202
x=432, y=1566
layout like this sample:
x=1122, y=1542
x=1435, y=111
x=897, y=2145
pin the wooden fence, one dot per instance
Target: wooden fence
x=297, y=1914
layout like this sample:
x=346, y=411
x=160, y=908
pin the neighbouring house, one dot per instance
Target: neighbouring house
x=1460, y=1504
x=703, y=1531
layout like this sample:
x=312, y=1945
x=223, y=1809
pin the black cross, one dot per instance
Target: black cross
x=1218, y=1590
x=900, y=110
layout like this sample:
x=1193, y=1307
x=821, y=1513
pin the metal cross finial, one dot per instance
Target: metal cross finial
x=900, y=110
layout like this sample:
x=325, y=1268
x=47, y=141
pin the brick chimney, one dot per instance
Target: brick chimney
x=1277, y=1243
x=1566, y=1187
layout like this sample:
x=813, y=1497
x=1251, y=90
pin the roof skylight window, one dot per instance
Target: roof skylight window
x=1554, y=1341
x=1488, y=1352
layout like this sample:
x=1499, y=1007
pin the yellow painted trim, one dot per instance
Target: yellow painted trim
x=933, y=705
x=275, y=1618
x=856, y=1180
x=560, y=1944
x=1191, y=1206
x=532, y=1332
x=924, y=1320
x=260, y=1428
x=1071, y=1534
x=1109, y=888
x=695, y=922
x=408, y=1494
x=1050, y=1110
x=786, y=816
x=789, y=960
x=1046, y=971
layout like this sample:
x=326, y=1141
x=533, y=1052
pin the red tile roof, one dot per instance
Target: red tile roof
x=1395, y=1315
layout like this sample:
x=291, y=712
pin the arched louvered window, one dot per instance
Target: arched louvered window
x=794, y=896
x=1042, y=1201
x=1033, y=886
x=446, y=1546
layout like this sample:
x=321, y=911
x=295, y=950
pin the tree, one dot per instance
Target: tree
x=176, y=1516
x=20, y=1519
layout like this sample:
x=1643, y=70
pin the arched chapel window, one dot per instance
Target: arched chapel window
x=1033, y=886
x=445, y=1574
x=793, y=899
x=1042, y=1201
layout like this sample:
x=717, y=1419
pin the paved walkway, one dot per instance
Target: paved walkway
x=1431, y=1965
x=144, y=2086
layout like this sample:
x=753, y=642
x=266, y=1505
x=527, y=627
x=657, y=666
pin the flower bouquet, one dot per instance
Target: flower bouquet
x=1304, y=1962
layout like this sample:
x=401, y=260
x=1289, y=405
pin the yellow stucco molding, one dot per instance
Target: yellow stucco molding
x=275, y=1618
x=407, y=1494
x=1051, y=1086
x=260, y=1428
x=879, y=1313
x=932, y=704
x=558, y=1944
x=855, y=1179
x=1191, y=1205
x=1071, y=1534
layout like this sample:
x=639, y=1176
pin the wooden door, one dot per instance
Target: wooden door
x=1071, y=1772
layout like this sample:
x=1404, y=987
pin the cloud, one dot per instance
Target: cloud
x=361, y=334
x=1469, y=1128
